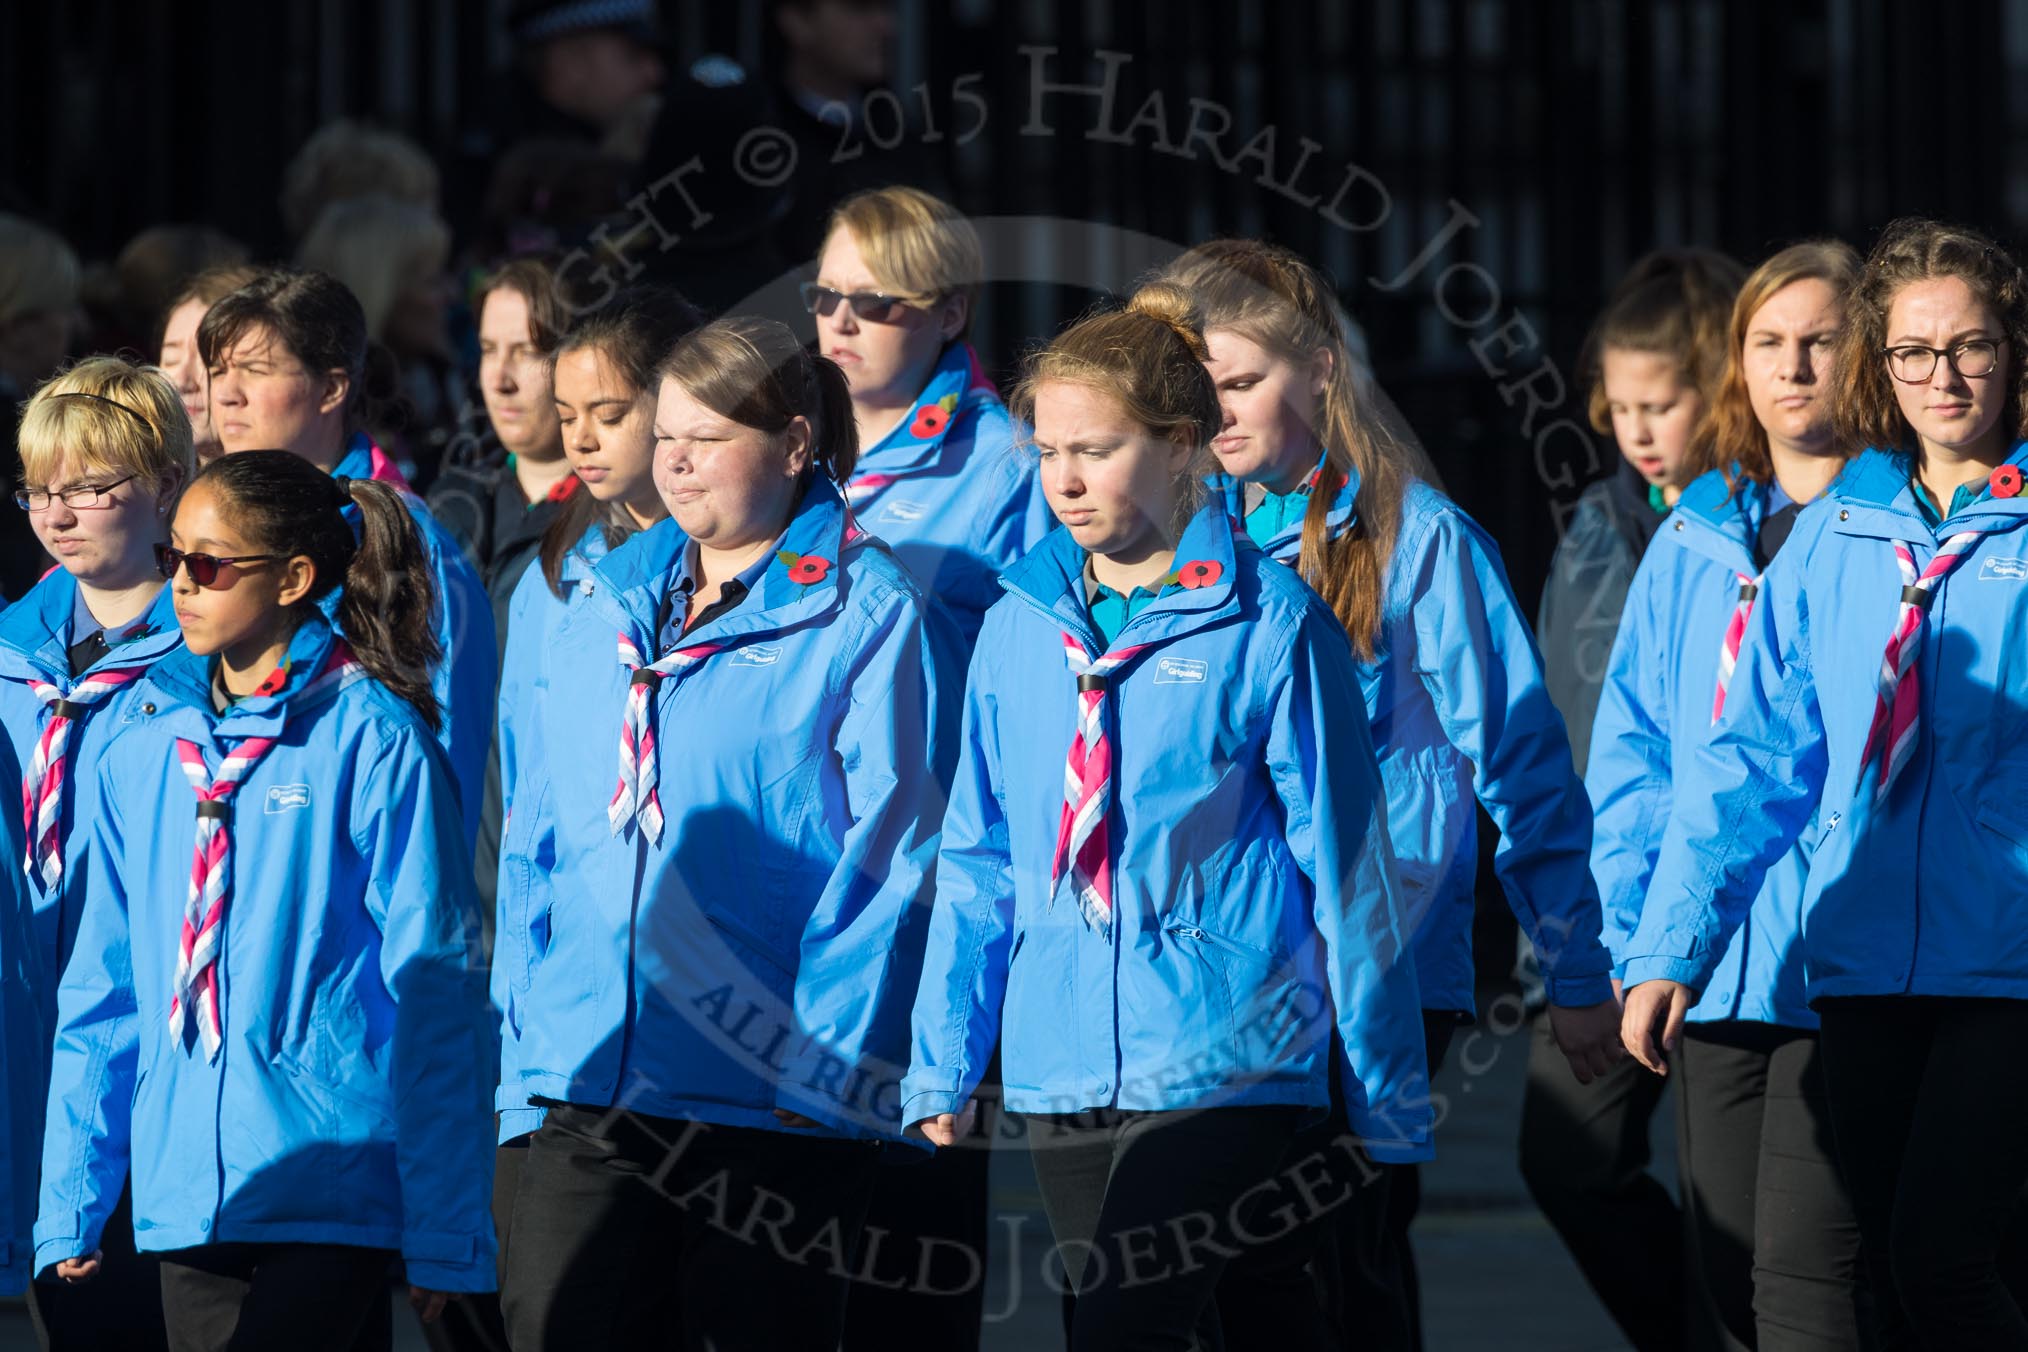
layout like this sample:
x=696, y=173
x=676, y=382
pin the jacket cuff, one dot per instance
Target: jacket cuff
x=50, y=1252
x=1578, y=992
x=928, y=1103
x=519, y=1122
x=450, y=1262
x=1659, y=967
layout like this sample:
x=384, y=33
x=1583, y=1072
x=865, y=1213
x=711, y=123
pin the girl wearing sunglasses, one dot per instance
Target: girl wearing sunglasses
x=938, y=479
x=276, y=1013
x=104, y=448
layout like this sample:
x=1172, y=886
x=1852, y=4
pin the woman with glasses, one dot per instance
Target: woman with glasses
x=105, y=447
x=286, y=355
x=938, y=479
x=1876, y=705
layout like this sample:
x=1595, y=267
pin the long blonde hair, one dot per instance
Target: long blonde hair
x=1272, y=297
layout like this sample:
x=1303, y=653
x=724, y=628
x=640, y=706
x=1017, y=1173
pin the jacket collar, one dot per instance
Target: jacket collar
x=1721, y=520
x=1875, y=499
x=1201, y=590
x=185, y=678
x=363, y=459
x=1287, y=543
x=803, y=581
x=35, y=633
x=917, y=441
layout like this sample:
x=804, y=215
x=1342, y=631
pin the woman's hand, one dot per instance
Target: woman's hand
x=946, y=1128
x=76, y=1270
x=1649, y=1004
x=796, y=1120
x=427, y=1303
x=1588, y=1036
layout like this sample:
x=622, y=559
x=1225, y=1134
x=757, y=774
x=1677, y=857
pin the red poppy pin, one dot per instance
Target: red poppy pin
x=804, y=568
x=932, y=419
x=277, y=678
x=561, y=490
x=1199, y=573
x=2005, y=481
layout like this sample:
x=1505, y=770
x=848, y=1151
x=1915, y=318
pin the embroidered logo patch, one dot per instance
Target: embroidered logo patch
x=287, y=798
x=1180, y=671
x=900, y=510
x=757, y=655
x=2003, y=570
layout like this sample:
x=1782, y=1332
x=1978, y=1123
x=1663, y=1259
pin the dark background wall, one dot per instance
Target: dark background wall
x=1510, y=158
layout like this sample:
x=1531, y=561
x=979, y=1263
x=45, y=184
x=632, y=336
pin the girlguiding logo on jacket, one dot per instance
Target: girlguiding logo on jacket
x=1180, y=671
x=286, y=798
x=2004, y=570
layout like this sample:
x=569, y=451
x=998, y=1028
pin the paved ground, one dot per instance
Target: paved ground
x=1494, y=1275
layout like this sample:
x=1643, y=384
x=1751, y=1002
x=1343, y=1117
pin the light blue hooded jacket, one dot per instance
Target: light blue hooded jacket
x=1461, y=718
x=1654, y=712
x=1921, y=893
x=348, y=1104
x=763, y=952
x=1254, y=907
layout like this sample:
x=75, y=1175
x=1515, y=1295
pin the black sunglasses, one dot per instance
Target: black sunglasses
x=203, y=568
x=872, y=306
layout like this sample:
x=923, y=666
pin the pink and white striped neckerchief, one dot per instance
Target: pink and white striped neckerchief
x=864, y=486
x=1083, y=843
x=636, y=800
x=195, y=983
x=1735, y=632
x=1897, y=706
x=42, y=788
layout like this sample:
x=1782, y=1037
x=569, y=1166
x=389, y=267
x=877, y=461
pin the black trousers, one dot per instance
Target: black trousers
x=1148, y=1208
x=633, y=1231
x=1929, y=1107
x=1773, y=1243
x=297, y=1297
x=1584, y=1157
x=1345, y=1277
x=922, y=1257
x=120, y=1310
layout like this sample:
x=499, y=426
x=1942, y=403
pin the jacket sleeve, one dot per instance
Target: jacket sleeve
x=95, y=1062
x=1484, y=677
x=465, y=679
x=1743, y=800
x=861, y=950
x=24, y=1063
x=956, y=1021
x=526, y=858
x=424, y=902
x=1320, y=755
x=1630, y=772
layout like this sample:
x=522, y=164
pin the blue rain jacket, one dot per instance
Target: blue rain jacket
x=951, y=491
x=35, y=638
x=1654, y=712
x=349, y=1103
x=1254, y=907
x=1923, y=893
x=1461, y=717
x=534, y=615
x=763, y=953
